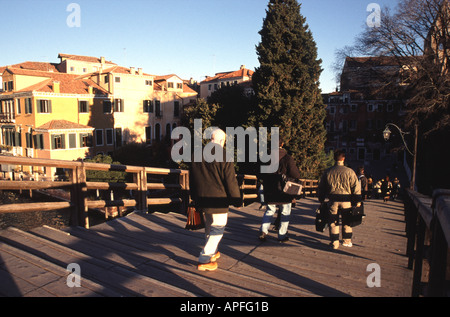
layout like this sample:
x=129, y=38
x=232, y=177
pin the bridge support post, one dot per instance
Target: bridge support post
x=79, y=215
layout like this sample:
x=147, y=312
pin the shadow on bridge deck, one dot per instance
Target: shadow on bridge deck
x=153, y=255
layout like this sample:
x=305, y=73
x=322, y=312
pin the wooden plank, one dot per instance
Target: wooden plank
x=152, y=254
x=25, y=207
x=31, y=282
x=95, y=269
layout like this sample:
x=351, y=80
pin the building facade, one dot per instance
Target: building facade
x=211, y=84
x=83, y=106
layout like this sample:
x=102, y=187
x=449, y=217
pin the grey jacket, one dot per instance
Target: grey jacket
x=339, y=183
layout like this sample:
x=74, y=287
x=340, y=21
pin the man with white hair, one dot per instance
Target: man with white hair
x=214, y=188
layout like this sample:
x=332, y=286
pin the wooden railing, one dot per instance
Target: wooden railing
x=171, y=184
x=78, y=187
x=149, y=187
x=428, y=232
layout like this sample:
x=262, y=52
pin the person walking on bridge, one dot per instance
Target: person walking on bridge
x=341, y=186
x=214, y=188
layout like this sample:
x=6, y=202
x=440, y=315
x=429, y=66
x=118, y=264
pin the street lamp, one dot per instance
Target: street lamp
x=387, y=135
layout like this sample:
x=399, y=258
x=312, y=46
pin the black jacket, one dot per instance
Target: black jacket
x=271, y=182
x=214, y=186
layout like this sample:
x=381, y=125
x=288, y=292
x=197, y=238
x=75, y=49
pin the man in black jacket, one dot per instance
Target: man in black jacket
x=214, y=188
x=274, y=196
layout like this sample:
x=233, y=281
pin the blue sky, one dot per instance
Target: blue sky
x=191, y=38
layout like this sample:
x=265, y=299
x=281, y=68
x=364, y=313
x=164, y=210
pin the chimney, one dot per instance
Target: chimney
x=242, y=66
x=90, y=90
x=102, y=60
x=140, y=71
x=132, y=71
x=56, y=87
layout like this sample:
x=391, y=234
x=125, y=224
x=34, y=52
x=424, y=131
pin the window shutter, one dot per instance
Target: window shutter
x=72, y=141
x=53, y=142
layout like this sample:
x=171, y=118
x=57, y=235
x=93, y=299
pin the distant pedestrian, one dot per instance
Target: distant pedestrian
x=363, y=182
x=369, y=187
x=386, y=189
x=341, y=186
x=395, y=188
x=214, y=188
x=377, y=188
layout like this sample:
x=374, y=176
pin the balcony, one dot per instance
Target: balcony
x=7, y=117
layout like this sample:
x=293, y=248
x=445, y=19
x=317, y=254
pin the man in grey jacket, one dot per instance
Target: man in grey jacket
x=340, y=184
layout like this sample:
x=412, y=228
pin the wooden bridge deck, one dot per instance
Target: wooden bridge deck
x=153, y=255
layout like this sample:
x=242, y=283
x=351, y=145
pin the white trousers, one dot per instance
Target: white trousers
x=214, y=229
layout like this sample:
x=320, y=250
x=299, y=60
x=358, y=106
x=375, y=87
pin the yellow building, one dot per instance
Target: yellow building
x=83, y=106
x=47, y=114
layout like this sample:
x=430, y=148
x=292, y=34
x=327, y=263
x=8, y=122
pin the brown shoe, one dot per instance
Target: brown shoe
x=215, y=257
x=211, y=266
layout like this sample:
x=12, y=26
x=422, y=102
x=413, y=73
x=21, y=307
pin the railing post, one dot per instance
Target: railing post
x=438, y=262
x=142, y=195
x=78, y=197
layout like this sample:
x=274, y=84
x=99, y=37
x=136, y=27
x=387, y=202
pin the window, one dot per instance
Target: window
x=118, y=132
x=148, y=106
x=83, y=106
x=28, y=105
x=98, y=137
x=107, y=105
x=109, y=137
x=344, y=126
x=44, y=106
x=158, y=111
x=106, y=79
x=370, y=108
x=118, y=105
x=169, y=84
x=148, y=135
x=168, y=130
x=29, y=140
x=332, y=110
x=58, y=142
x=354, y=108
x=19, y=110
x=117, y=79
x=176, y=109
x=72, y=140
x=158, y=132
x=85, y=140
x=148, y=83
x=390, y=107
x=179, y=85
x=38, y=141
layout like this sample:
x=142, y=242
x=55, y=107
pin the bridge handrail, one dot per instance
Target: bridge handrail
x=78, y=186
x=428, y=233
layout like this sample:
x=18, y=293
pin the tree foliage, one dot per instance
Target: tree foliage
x=286, y=85
x=417, y=35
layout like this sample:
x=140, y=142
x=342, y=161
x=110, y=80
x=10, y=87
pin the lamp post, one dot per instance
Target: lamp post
x=387, y=134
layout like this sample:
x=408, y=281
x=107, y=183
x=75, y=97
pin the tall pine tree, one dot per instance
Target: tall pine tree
x=286, y=85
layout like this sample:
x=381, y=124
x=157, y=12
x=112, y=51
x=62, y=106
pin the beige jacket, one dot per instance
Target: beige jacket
x=339, y=183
